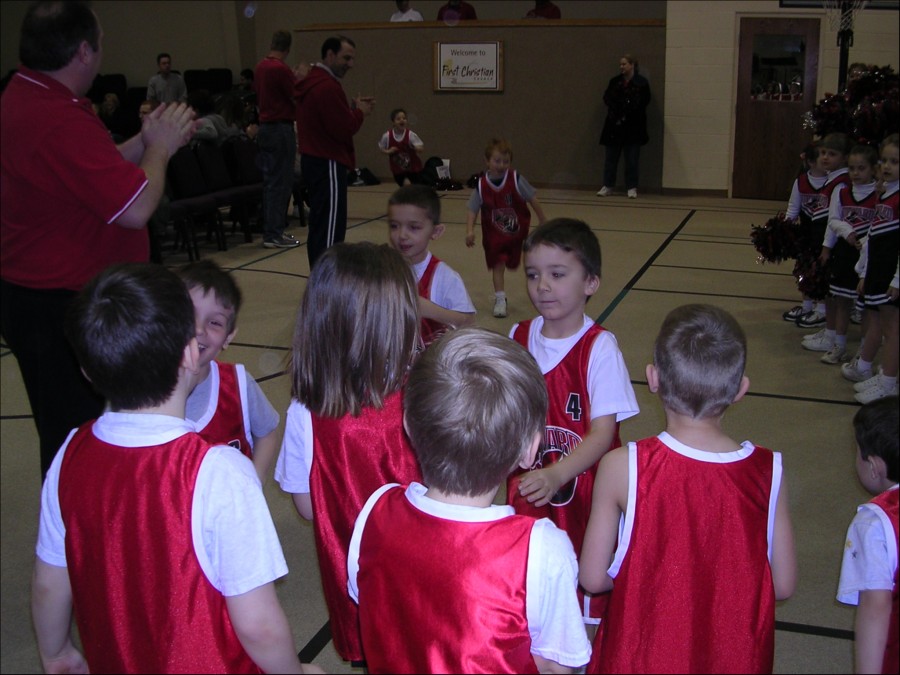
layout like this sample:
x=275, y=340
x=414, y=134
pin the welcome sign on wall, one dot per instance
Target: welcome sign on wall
x=468, y=66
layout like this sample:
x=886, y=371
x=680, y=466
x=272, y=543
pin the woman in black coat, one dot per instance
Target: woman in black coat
x=626, y=97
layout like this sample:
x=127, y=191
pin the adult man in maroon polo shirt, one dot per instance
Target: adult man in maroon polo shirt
x=274, y=84
x=73, y=204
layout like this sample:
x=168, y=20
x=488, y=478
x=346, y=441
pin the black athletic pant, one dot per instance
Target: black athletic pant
x=61, y=399
x=326, y=182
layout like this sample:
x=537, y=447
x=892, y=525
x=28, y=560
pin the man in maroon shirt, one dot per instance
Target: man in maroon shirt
x=73, y=204
x=274, y=84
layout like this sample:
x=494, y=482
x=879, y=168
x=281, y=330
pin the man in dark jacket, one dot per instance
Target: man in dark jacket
x=326, y=123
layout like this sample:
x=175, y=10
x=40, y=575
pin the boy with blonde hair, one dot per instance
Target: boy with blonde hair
x=475, y=405
x=502, y=197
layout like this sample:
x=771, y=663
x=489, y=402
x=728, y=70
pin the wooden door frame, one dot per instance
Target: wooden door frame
x=778, y=24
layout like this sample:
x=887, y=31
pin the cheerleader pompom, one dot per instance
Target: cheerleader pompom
x=776, y=241
x=812, y=277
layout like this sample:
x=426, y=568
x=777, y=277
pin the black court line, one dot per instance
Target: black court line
x=276, y=272
x=266, y=378
x=717, y=242
x=314, y=647
x=722, y=269
x=804, y=399
x=761, y=211
x=255, y=346
x=714, y=295
x=823, y=631
x=662, y=247
x=780, y=397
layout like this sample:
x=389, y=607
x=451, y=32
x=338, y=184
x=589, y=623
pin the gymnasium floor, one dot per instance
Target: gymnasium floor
x=658, y=252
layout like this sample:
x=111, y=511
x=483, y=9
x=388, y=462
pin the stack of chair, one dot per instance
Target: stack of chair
x=240, y=158
x=191, y=202
x=224, y=188
x=206, y=179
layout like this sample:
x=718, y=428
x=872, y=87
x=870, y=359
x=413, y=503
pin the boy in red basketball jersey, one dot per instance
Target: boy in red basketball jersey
x=690, y=529
x=869, y=569
x=502, y=197
x=446, y=580
x=414, y=221
x=226, y=403
x=161, y=542
x=587, y=381
x=402, y=145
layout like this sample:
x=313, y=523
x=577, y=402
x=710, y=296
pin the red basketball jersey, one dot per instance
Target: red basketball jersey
x=442, y=596
x=694, y=591
x=352, y=457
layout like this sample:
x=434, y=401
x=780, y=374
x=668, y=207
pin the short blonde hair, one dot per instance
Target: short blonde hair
x=500, y=145
x=474, y=403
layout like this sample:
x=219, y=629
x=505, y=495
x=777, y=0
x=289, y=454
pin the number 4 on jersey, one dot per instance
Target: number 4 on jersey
x=573, y=407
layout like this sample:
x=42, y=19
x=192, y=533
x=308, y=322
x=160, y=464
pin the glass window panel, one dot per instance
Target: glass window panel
x=778, y=66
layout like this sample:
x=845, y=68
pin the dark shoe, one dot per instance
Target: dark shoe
x=793, y=314
x=284, y=241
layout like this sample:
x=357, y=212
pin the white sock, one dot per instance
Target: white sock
x=500, y=294
x=863, y=365
x=888, y=382
x=829, y=335
x=840, y=341
x=807, y=306
x=820, y=308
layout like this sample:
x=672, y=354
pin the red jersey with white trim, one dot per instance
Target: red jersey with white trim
x=352, y=457
x=117, y=570
x=693, y=590
x=228, y=425
x=431, y=329
x=889, y=502
x=432, y=628
x=406, y=159
x=504, y=212
x=568, y=422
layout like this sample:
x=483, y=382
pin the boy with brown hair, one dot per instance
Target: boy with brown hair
x=414, y=221
x=161, y=542
x=869, y=569
x=226, y=403
x=700, y=599
x=585, y=373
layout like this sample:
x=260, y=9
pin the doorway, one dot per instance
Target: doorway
x=778, y=62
